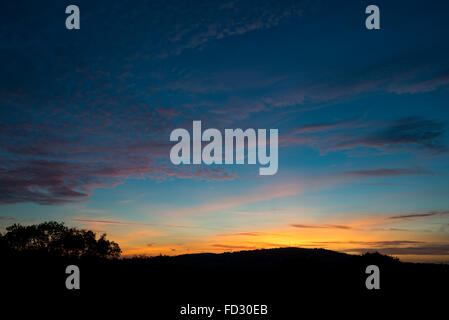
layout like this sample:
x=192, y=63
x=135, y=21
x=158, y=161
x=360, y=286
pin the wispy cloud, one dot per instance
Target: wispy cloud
x=7, y=218
x=229, y=19
x=420, y=215
x=413, y=131
x=372, y=244
x=258, y=195
x=250, y=234
x=50, y=182
x=232, y=247
x=429, y=249
x=131, y=223
x=384, y=172
x=330, y=126
x=325, y=226
x=112, y=222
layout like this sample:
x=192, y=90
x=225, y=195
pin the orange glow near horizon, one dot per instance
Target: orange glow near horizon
x=353, y=238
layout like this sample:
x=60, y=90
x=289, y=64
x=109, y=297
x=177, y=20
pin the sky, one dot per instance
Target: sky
x=86, y=116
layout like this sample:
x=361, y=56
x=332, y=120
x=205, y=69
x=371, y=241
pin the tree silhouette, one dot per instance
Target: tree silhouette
x=56, y=239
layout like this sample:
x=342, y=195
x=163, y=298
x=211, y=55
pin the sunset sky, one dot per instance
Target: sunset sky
x=86, y=115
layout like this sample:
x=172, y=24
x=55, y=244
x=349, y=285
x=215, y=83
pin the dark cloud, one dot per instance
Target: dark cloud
x=413, y=131
x=50, y=182
x=420, y=215
x=56, y=182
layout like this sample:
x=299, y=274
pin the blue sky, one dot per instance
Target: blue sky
x=362, y=116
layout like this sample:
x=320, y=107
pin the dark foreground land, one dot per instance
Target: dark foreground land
x=288, y=280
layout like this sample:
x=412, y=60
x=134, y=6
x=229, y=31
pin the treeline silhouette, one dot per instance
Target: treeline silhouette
x=53, y=238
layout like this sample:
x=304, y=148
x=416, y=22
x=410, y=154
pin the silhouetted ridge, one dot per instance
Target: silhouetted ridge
x=262, y=258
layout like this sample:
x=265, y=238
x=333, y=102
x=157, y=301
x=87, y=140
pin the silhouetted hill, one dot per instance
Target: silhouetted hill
x=265, y=258
x=276, y=277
